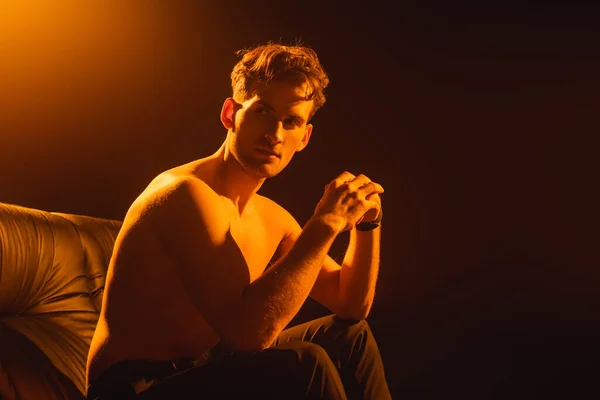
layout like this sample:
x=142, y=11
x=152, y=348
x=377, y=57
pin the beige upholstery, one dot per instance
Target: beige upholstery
x=52, y=272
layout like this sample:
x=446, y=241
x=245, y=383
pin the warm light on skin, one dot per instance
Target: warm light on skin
x=275, y=118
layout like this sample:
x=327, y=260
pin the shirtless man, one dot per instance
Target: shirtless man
x=190, y=309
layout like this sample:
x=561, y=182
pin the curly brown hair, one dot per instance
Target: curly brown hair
x=277, y=62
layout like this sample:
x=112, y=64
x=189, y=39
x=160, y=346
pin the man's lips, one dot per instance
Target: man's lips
x=269, y=152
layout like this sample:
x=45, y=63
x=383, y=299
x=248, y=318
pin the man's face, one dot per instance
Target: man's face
x=270, y=127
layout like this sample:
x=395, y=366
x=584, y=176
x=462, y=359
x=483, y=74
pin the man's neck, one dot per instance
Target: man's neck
x=232, y=181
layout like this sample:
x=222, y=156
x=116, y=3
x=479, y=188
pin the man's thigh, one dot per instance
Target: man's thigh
x=330, y=332
x=283, y=372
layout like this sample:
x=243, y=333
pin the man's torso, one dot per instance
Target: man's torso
x=146, y=312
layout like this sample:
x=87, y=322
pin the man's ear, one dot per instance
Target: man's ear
x=230, y=106
x=307, y=132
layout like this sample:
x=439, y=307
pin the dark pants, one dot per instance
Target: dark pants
x=327, y=358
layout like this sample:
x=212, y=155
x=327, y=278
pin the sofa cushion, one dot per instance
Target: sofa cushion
x=26, y=373
x=97, y=238
x=52, y=269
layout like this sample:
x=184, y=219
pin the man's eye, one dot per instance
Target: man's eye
x=262, y=110
x=291, y=122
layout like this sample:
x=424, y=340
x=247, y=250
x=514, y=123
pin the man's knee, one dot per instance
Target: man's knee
x=356, y=336
x=353, y=328
x=317, y=372
x=311, y=353
x=360, y=324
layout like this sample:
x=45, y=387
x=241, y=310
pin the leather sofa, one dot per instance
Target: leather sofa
x=52, y=273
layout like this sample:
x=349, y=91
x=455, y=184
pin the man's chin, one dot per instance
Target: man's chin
x=268, y=172
x=264, y=171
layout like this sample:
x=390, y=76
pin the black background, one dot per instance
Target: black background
x=481, y=122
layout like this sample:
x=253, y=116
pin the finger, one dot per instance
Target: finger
x=372, y=205
x=374, y=197
x=371, y=188
x=358, y=182
x=343, y=178
x=370, y=215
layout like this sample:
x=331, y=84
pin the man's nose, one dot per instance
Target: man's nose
x=275, y=134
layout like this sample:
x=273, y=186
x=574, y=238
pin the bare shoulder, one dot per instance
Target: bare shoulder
x=168, y=186
x=175, y=198
x=173, y=190
x=173, y=201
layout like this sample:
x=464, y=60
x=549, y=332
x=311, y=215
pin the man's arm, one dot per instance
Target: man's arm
x=347, y=290
x=358, y=275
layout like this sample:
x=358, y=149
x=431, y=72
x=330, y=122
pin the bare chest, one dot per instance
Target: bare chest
x=256, y=242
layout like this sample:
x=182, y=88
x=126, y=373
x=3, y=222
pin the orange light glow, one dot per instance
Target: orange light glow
x=64, y=61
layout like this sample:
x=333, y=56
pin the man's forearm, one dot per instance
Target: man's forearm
x=358, y=276
x=269, y=303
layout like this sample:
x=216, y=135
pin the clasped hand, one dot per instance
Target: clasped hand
x=349, y=200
